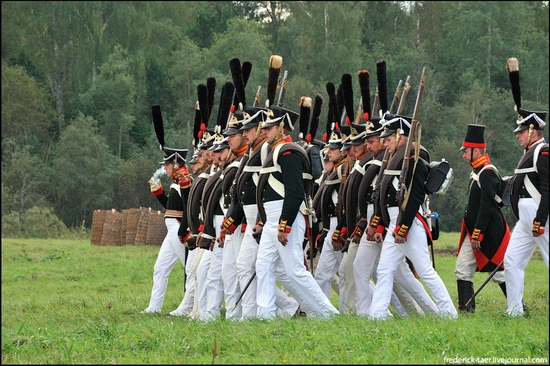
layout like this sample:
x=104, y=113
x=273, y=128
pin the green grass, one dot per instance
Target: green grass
x=67, y=302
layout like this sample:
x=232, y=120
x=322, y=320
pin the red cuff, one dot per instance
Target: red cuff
x=283, y=227
x=243, y=228
x=402, y=230
x=344, y=231
x=229, y=224
x=380, y=229
x=158, y=192
x=186, y=237
x=476, y=235
x=537, y=228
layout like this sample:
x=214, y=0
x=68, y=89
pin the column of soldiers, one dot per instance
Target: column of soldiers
x=254, y=203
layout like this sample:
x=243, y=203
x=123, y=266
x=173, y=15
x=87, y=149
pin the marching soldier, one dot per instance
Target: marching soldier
x=331, y=258
x=368, y=253
x=175, y=204
x=244, y=209
x=204, y=242
x=484, y=234
x=281, y=199
x=231, y=244
x=406, y=233
x=529, y=197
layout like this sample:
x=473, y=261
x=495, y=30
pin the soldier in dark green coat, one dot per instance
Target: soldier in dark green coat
x=484, y=234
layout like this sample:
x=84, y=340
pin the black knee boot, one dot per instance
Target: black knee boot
x=503, y=288
x=465, y=292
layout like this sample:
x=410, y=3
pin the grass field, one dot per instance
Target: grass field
x=70, y=302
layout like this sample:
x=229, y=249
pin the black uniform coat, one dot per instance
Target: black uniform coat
x=484, y=221
x=388, y=193
x=539, y=180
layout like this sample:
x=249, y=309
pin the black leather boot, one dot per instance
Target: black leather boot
x=503, y=288
x=465, y=292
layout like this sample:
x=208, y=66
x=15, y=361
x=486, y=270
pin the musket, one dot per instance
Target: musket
x=375, y=104
x=243, y=291
x=396, y=96
x=283, y=89
x=404, y=94
x=359, y=112
x=258, y=97
x=484, y=283
x=311, y=215
x=404, y=193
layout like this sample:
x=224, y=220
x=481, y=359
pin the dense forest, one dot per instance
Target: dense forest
x=79, y=79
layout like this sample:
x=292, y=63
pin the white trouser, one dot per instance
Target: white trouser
x=214, y=281
x=520, y=250
x=416, y=249
x=349, y=279
x=170, y=251
x=232, y=290
x=299, y=282
x=202, y=289
x=466, y=264
x=246, y=269
x=196, y=262
x=329, y=264
x=364, y=268
x=186, y=305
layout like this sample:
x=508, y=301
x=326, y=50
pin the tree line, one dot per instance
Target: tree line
x=79, y=80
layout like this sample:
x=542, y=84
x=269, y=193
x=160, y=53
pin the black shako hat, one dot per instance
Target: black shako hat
x=526, y=119
x=171, y=155
x=392, y=122
x=475, y=137
x=276, y=115
x=254, y=116
x=335, y=140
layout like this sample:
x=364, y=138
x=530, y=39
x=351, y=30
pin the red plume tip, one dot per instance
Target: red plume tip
x=200, y=134
x=325, y=137
x=232, y=110
x=203, y=127
x=308, y=137
x=348, y=121
x=336, y=126
x=366, y=116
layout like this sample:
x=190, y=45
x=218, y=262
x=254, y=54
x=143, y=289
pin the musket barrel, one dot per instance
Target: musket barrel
x=283, y=89
x=402, y=194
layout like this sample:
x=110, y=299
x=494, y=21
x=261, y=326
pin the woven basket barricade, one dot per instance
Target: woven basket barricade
x=97, y=226
x=112, y=228
x=131, y=221
x=156, y=231
x=143, y=225
x=134, y=226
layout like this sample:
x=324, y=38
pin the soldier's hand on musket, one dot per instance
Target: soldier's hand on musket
x=283, y=238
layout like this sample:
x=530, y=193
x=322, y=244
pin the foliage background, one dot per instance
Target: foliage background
x=79, y=80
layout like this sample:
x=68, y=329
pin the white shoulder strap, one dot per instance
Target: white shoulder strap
x=475, y=177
